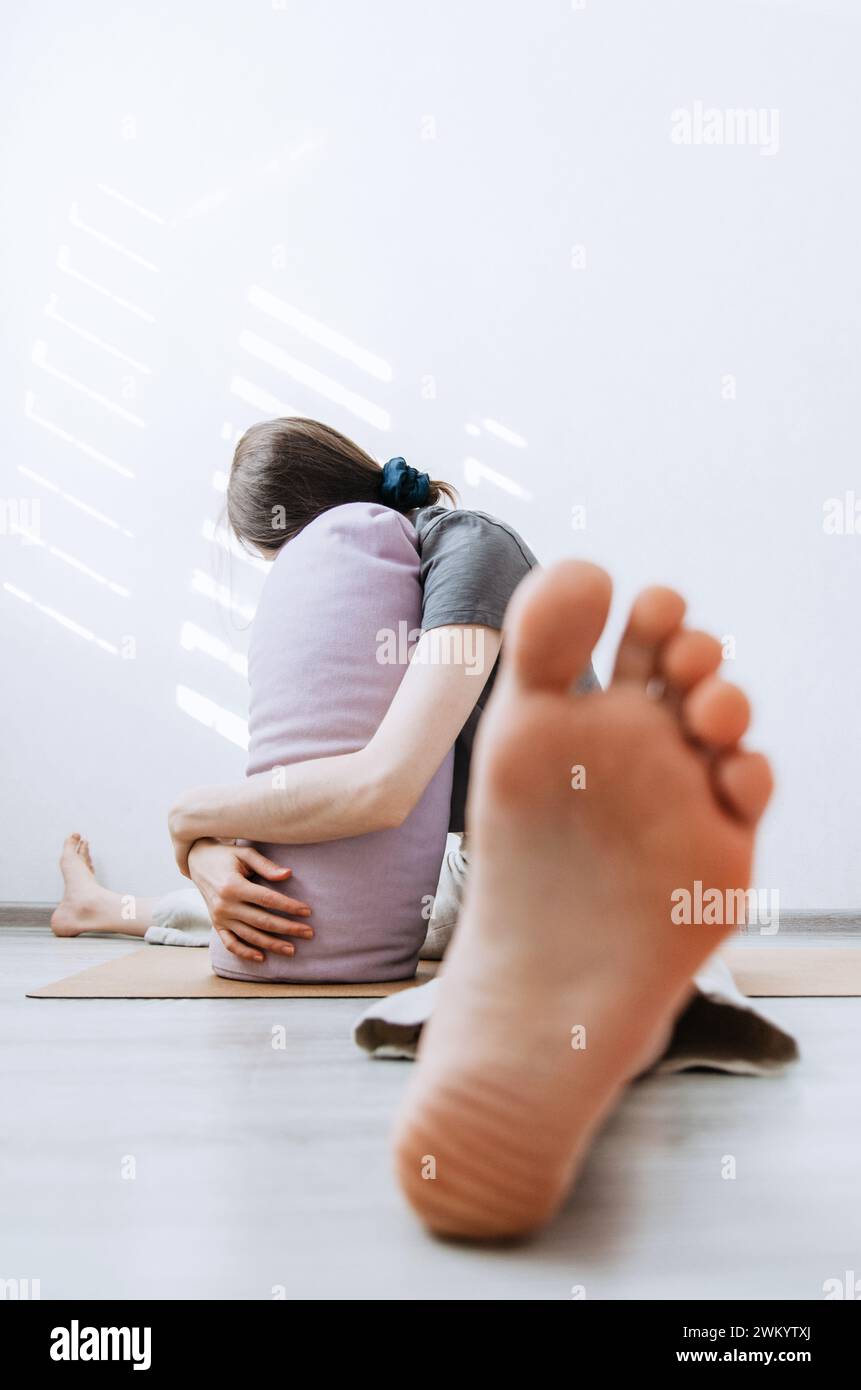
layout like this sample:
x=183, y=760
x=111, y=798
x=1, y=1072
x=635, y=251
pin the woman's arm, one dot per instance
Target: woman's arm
x=355, y=793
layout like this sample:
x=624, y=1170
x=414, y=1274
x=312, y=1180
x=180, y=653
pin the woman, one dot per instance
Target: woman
x=286, y=476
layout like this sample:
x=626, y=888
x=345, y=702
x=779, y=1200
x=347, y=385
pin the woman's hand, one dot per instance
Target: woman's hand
x=249, y=917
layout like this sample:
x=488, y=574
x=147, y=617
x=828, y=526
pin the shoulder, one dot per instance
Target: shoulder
x=471, y=563
x=441, y=528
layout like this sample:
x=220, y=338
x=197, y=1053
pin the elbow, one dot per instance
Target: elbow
x=181, y=823
x=177, y=823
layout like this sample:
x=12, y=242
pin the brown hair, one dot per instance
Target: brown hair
x=287, y=472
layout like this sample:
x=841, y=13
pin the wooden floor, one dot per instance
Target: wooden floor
x=258, y=1168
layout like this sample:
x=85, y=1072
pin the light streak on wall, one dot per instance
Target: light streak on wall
x=67, y=438
x=69, y=623
x=315, y=380
x=75, y=501
x=79, y=225
x=32, y=538
x=319, y=333
x=64, y=263
x=196, y=639
x=222, y=721
x=204, y=584
x=474, y=471
x=40, y=359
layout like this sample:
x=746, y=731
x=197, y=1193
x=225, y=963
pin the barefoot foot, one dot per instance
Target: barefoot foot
x=86, y=905
x=567, y=970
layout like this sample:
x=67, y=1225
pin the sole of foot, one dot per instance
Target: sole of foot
x=587, y=816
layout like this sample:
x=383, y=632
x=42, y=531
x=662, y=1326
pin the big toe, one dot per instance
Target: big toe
x=555, y=619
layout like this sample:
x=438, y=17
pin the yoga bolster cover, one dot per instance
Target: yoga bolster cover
x=318, y=689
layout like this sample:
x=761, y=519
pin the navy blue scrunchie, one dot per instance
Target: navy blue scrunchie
x=403, y=487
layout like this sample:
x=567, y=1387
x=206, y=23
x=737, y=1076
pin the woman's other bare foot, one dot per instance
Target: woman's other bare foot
x=86, y=905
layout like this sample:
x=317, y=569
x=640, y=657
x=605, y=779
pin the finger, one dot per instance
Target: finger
x=268, y=897
x=262, y=939
x=236, y=947
x=268, y=922
x=261, y=865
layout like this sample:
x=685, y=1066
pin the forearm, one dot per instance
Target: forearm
x=374, y=788
x=323, y=799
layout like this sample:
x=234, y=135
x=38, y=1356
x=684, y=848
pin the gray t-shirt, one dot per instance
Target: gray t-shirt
x=471, y=563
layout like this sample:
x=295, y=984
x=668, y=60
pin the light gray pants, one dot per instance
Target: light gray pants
x=180, y=918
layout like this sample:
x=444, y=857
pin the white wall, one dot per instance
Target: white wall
x=418, y=177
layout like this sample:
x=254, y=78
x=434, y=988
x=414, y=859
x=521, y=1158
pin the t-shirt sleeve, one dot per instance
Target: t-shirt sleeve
x=470, y=567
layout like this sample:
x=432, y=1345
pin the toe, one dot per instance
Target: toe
x=745, y=783
x=689, y=657
x=716, y=712
x=655, y=618
x=555, y=618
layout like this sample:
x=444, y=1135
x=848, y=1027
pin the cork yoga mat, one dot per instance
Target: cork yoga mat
x=171, y=972
x=183, y=972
